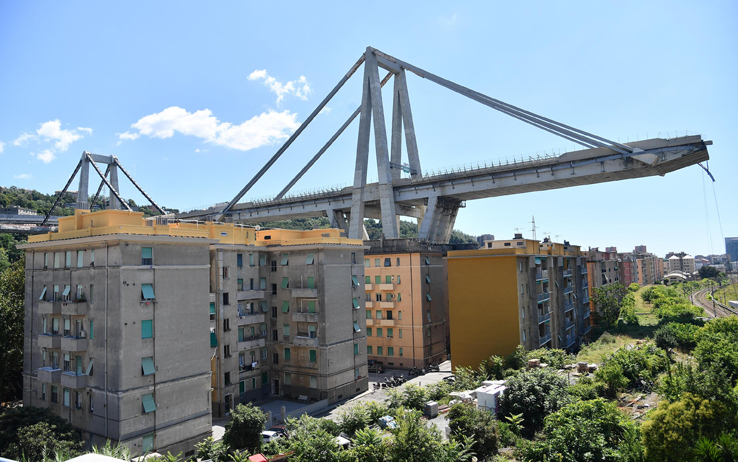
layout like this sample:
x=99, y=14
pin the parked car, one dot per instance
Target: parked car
x=269, y=435
x=281, y=429
x=376, y=368
x=387, y=422
x=450, y=379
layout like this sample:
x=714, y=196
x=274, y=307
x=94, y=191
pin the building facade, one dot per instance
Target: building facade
x=516, y=292
x=406, y=309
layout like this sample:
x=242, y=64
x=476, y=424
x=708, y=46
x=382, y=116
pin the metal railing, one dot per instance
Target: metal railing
x=545, y=339
x=544, y=317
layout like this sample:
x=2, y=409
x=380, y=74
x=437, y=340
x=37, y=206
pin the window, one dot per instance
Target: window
x=311, y=332
x=55, y=326
x=80, y=258
x=148, y=403
x=400, y=351
x=65, y=294
x=398, y=261
x=354, y=281
x=388, y=279
x=380, y=351
x=67, y=362
x=428, y=315
x=287, y=354
x=285, y=306
x=56, y=294
x=379, y=314
x=226, y=298
x=399, y=333
x=287, y=378
x=213, y=339
x=311, y=282
x=398, y=278
x=310, y=258
x=147, y=292
x=313, y=382
x=285, y=283
x=353, y=257
x=285, y=259
x=311, y=306
x=226, y=325
x=56, y=265
x=66, y=397
x=239, y=283
x=389, y=314
x=273, y=266
x=399, y=298
x=253, y=383
x=46, y=260
x=67, y=327
x=43, y=294
x=356, y=349
x=390, y=332
x=376, y=262
x=367, y=280
x=262, y=283
x=390, y=351
x=226, y=272
x=368, y=331
x=275, y=335
x=366, y=263
x=147, y=366
x=286, y=330
x=54, y=394
x=146, y=256
x=387, y=262
x=429, y=332
x=264, y=377
x=68, y=259
x=368, y=349
x=43, y=392
x=379, y=332
x=227, y=378
x=147, y=330
x=239, y=260
x=212, y=311
x=263, y=353
x=275, y=358
x=356, y=303
x=251, y=283
x=377, y=279
x=262, y=259
x=313, y=356
x=251, y=260
x=274, y=311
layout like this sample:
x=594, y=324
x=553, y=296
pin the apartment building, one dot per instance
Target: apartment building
x=406, y=309
x=681, y=262
x=113, y=323
x=604, y=270
x=516, y=292
x=287, y=318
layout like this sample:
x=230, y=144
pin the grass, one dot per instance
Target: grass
x=727, y=293
x=605, y=343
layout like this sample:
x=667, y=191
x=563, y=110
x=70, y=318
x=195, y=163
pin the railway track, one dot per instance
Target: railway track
x=712, y=309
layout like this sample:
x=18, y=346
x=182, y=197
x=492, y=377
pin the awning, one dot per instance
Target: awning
x=356, y=303
x=356, y=326
x=285, y=282
x=147, y=364
x=263, y=305
x=66, y=291
x=148, y=403
x=427, y=295
x=285, y=306
x=309, y=259
x=147, y=291
x=355, y=280
x=43, y=293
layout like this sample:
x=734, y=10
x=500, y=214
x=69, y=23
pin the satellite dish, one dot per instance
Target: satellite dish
x=257, y=227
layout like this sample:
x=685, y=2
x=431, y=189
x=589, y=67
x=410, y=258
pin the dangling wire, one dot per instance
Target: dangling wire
x=707, y=214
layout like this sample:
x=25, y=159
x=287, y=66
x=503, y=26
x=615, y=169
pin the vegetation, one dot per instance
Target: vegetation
x=244, y=429
x=608, y=301
x=466, y=420
x=34, y=433
x=12, y=293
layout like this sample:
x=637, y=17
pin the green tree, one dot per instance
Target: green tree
x=535, y=394
x=12, y=295
x=717, y=346
x=607, y=300
x=481, y=425
x=353, y=418
x=708, y=272
x=634, y=287
x=368, y=446
x=244, y=429
x=28, y=430
x=411, y=397
x=213, y=450
x=584, y=431
x=309, y=442
x=414, y=441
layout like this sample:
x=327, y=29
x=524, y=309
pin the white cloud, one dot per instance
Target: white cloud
x=262, y=130
x=52, y=131
x=45, y=156
x=83, y=129
x=2, y=146
x=20, y=141
x=23, y=176
x=299, y=88
x=128, y=136
x=325, y=110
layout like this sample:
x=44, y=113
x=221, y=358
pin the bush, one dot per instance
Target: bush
x=48, y=430
x=411, y=397
x=534, y=394
x=676, y=335
x=612, y=378
x=587, y=388
x=584, y=431
x=518, y=359
x=244, y=429
x=353, y=418
x=717, y=346
x=639, y=365
x=481, y=425
x=634, y=287
x=712, y=384
x=492, y=368
x=556, y=359
x=212, y=450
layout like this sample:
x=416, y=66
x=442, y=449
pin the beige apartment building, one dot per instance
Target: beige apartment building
x=287, y=318
x=113, y=323
x=605, y=269
x=681, y=262
x=406, y=309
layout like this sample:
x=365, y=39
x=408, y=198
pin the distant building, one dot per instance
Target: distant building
x=640, y=249
x=485, y=237
x=16, y=210
x=681, y=262
x=731, y=248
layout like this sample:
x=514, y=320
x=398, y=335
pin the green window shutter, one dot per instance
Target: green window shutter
x=239, y=283
x=147, y=330
x=427, y=295
x=43, y=294
x=146, y=252
x=67, y=289
x=286, y=329
x=379, y=314
x=356, y=303
x=313, y=356
x=285, y=306
x=310, y=258
x=311, y=283
x=427, y=261
x=147, y=291
x=388, y=279
x=148, y=443
x=287, y=354
x=368, y=349
x=239, y=260
x=78, y=363
x=380, y=351
x=66, y=397
x=427, y=279
x=368, y=331
x=390, y=332
x=264, y=307
x=263, y=327
x=356, y=349
x=251, y=259
x=148, y=403
x=213, y=340
x=241, y=386
x=366, y=263
x=354, y=280
x=264, y=378
x=147, y=365
x=92, y=330
x=368, y=314
x=285, y=259
x=253, y=383
x=377, y=279
x=390, y=351
x=311, y=306
x=212, y=308
x=311, y=330
x=399, y=333
x=285, y=283
x=240, y=334
x=367, y=279
x=357, y=328
x=80, y=258
x=379, y=331
x=399, y=298
x=400, y=351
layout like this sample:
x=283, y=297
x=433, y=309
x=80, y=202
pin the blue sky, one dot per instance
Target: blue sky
x=194, y=97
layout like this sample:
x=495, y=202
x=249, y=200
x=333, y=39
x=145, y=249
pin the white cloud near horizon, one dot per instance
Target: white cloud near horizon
x=23, y=176
x=45, y=156
x=261, y=130
x=299, y=88
x=51, y=132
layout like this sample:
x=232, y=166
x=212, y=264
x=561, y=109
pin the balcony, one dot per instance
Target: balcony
x=304, y=293
x=567, y=273
x=544, y=340
x=587, y=329
x=570, y=340
x=585, y=284
x=544, y=317
x=74, y=343
x=569, y=323
x=386, y=304
x=250, y=319
x=72, y=308
x=49, y=374
x=368, y=287
x=72, y=380
x=251, y=343
x=385, y=322
x=567, y=290
x=585, y=313
x=389, y=286
x=584, y=270
x=248, y=367
x=303, y=340
x=543, y=297
x=49, y=341
x=541, y=275
x=568, y=306
x=305, y=317
x=369, y=304
x=370, y=322
x=251, y=295
x=49, y=307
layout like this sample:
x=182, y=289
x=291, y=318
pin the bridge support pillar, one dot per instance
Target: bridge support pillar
x=114, y=202
x=338, y=220
x=439, y=219
x=84, y=181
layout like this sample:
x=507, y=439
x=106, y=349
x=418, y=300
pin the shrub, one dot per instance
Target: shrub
x=411, y=397
x=244, y=429
x=492, y=368
x=634, y=287
x=216, y=451
x=467, y=420
x=518, y=359
x=612, y=378
x=717, y=346
x=712, y=384
x=556, y=359
x=676, y=335
x=587, y=388
x=353, y=418
x=639, y=365
x=586, y=430
x=27, y=430
x=534, y=394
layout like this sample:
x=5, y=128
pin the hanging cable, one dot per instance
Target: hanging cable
x=707, y=214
